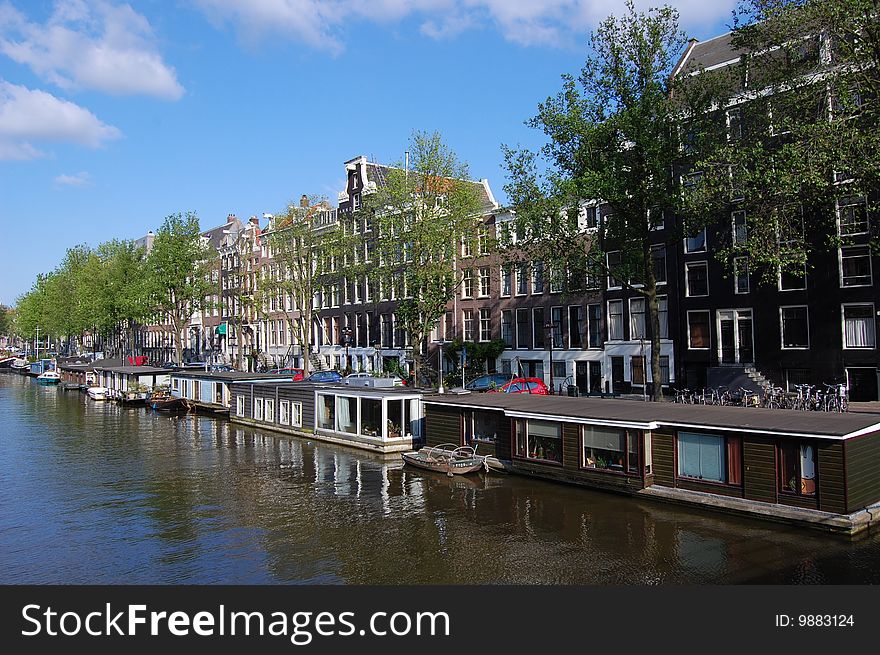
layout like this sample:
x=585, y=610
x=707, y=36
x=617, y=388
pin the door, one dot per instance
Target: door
x=617, y=380
x=581, y=377
x=596, y=377
x=862, y=384
x=735, y=337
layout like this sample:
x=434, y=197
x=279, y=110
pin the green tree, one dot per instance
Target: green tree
x=613, y=137
x=417, y=218
x=803, y=151
x=6, y=321
x=178, y=274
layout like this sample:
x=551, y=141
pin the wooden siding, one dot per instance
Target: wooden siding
x=862, y=471
x=830, y=472
x=304, y=394
x=759, y=469
x=442, y=425
x=663, y=454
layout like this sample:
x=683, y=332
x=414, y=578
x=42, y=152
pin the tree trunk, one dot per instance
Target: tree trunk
x=654, y=312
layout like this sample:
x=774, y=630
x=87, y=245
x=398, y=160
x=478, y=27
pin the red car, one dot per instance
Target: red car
x=534, y=386
x=296, y=373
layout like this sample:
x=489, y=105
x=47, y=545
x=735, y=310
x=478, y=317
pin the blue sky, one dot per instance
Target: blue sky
x=114, y=115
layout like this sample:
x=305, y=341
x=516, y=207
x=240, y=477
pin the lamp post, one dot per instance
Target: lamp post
x=550, y=327
x=441, y=343
x=346, y=339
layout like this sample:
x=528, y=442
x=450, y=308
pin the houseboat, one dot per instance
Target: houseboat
x=377, y=419
x=810, y=468
x=210, y=390
x=130, y=383
x=81, y=373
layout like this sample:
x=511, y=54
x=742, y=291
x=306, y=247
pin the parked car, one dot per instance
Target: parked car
x=398, y=381
x=489, y=382
x=296, y=373
x=356, y=376
x=221, y=368
x=534, y=386
x=324, y=376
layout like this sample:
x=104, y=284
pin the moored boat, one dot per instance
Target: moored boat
x=49, y=377
x=97, y=393
x=168, y=404
x=446, y=458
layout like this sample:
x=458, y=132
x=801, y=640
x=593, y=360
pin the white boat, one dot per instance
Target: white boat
x=97, y=393
x=49, y=377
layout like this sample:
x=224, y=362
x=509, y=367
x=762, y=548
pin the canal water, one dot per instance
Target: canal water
x=96, y=493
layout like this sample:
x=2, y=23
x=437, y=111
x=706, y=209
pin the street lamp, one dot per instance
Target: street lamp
x=551, y=328
x=346, y=339
x=441, y=343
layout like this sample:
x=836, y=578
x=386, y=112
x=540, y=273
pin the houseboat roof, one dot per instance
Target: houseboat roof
x=80, y=365
x=133, y=370
x=652, y=416
x=230, y=376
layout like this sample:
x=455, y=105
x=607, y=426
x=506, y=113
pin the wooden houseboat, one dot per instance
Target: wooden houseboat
x=130, y=382
x=384, y=420
x=811, y=468
x=210, y=390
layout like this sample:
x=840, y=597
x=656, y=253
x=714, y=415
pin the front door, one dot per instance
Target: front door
x=862, y=384
x=617, y=380
x=735, y=337
x=581, y=378
x=596, y=377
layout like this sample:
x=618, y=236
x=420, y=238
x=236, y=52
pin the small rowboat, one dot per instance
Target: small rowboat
x=97, y=393
x=168, y=404
x=446, y=458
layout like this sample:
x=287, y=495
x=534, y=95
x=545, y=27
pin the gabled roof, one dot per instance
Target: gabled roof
x=216, y=235
x=707, y=54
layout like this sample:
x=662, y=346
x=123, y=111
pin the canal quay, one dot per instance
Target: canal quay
x=100, y=493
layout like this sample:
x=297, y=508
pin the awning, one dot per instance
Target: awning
x=221, y=329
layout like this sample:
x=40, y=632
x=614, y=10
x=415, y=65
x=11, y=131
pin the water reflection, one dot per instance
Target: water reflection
x=93, y=492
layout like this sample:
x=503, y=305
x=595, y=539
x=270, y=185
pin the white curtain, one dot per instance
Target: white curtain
x=859, y=332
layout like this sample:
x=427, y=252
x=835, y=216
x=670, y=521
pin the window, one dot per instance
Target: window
x=855, y=266
x=485, y=273
x=466, y=247
x=795, y=327
x=852, y=215
x=296, y=414
x=740, y=228
x=284, y=412
x=239, y=405
x=347, y=414
x=467, y=283
x=575, y=319
x=858, y=326
x=522, y=279
x=740, y=274
x=663, y=315
x=485, y=325
x=698, y=330
x=258, y=409
x=658, y=256
x=483, y=240
x=664, y=369
x=793, y=280
x=538, y=277
x=696, y=243
x=538, y=325
x=613, y=260
x=734, y=124
x=556, y=331
x=270, y=410
x=589, y=218
x=656, y=218
x=709, y=457
x=505, y=280
x=615, y=320
x=522, y=328
x=594, y=320
x=539, y=440
x=557, y=275
x=480, y=427
x=507, y=326
x=797, y=467
x=636, y=318
x=697, y=279
x=610, y=449
x=637, y=370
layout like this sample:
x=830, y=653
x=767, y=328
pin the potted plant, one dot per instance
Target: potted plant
x=393, y=430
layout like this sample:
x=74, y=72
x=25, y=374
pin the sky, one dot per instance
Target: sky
x=114, y=115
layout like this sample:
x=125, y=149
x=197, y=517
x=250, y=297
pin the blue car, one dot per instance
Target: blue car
x=490, y=381
x=324, y=376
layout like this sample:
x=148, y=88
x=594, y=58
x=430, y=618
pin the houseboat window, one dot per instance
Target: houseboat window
x=346, y=414
x=479, y=427
x=284, y=412
x=797, y=468
x=326, y=412
x=396, y=419
x=539, y=440
x=610, y=449
x=296, y=416
x=258, y=409
x=270, y=410
x=175, y=384
x=239, y=405
x=371, y=417
x=709, y=457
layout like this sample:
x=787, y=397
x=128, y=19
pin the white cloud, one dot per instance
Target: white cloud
x=319, y=23
x=92, y=45
x=80, y=180
x=31, y=114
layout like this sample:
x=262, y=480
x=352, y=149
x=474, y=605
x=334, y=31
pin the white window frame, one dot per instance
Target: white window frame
x=782, y=327
x=239, y=405
x=687, y=288
x=608, y=320
x=688, y=317
x=296, y=413
x=870, y=266
x=284, y=412
x=269, y=410
x=257, y=412
x=779, y=280
x=736, y=275
x=705, y=247
x=632, y=325
x=843, y=307
x=837, y=208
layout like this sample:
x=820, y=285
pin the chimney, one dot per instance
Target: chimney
x=304, y=201
x=254, y=220
x=230, y=218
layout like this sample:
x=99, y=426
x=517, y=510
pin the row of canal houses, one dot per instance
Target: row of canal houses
x=811, y=468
